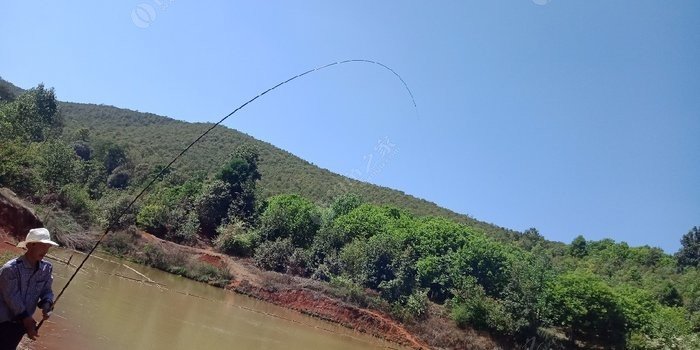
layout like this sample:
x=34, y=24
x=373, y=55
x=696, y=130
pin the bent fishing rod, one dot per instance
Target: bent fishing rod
x=160, y=174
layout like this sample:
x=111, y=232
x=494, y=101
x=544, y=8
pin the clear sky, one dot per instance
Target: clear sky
x=573, y=117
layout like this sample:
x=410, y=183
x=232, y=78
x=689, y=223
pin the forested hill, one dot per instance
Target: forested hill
x=155, y=140
x=81, y=164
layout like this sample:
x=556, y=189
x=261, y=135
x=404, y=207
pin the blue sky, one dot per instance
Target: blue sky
x=574, y=117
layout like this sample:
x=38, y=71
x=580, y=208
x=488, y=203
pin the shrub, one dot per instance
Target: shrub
x=76, y=199
x=291, y=216
x=155, y=256
x=153, y=218
x=119, y=243
x=415, y=306
x=114, y=207
x=185, y=232
x=233, y=239
x=65, y=230
x=322, y=273
x=589, y=307
x=274, y=255
x=482, y=312
x=206, y=273
x=298, y=263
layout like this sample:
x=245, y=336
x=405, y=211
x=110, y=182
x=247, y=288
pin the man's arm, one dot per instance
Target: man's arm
x=10, y=294
x=46, y=294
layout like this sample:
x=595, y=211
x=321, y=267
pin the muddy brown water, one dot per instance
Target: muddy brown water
x=114, y=304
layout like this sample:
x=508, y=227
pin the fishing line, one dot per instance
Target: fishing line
x=166, y=168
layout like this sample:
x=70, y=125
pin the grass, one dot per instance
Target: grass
x=6, y=256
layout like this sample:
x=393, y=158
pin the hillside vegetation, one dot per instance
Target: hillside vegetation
x=82, y=163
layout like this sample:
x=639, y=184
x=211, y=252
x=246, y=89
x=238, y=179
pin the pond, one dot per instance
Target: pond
x=115, y=304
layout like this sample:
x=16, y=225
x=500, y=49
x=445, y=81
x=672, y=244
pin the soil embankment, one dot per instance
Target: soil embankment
x=290, y=292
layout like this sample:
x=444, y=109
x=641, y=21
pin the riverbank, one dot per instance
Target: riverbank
x=315, y=298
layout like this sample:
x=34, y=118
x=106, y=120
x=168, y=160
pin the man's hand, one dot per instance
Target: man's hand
x=30, y=327
x=45, y=314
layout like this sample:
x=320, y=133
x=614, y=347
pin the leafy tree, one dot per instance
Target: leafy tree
x=241, y=174
x=488, y=261
x=530, y=238
x=57, y=165
x=432, y=273
x=434, y=236
x=83, y=150
x=525, y=296
x=6, y=94
x=367, y=220
x=471, y=306
x=578, y=247
x=689, y=253
x=381, y=262
x=111, y=155
x=32, y=117
x=18, y=167
x=118, y=179
x=588, y=307
x=345, y=203
x=290, y=216
x=670, y=296
x=93, y=177
x=82, y=135
x=274, y=255
x=234, y=239
x=212, y=206
x=153, y=218
x=76, y=199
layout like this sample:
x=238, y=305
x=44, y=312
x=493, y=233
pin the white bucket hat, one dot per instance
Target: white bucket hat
x=37, y=235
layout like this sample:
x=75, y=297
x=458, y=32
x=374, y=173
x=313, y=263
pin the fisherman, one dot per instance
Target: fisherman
x=25, y=284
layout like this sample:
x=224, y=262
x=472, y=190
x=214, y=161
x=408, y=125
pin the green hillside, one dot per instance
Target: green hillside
x=81, y=164
x=155, y=140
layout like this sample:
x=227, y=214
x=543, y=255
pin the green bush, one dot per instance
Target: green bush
x=234, y=239
x=416, y=305
x=299, y=263
x=120, y=243
x=76, y=199
x=155, y=256
x=186, y=228
x=116, y=206
x=206, y=273
x=473, y=307
x=588, y=306
x=17, y=170
x=322, y=273
x=274, y=255
x=290, y=216
x=153, y=218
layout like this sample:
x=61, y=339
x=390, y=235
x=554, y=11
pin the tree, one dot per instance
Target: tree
x=57, y=165
x=6, y=94
x=32, y=117
x=17, y=167
x=241, y=174
x=488, y=261
x=290, y=216
x=588, y=307
x=345, y=203
x=689, y=253
x=212, y=206
x=530, y=238
x=112, y=155
x=578, y=247
x=382, y=262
